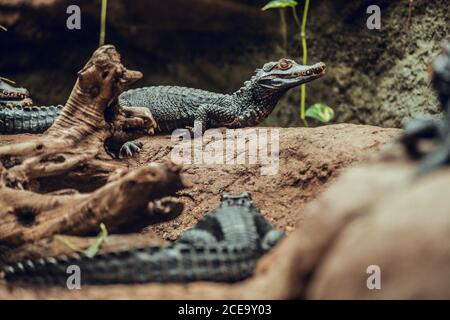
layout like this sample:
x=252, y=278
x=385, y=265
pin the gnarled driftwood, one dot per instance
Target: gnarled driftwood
x=79, y=147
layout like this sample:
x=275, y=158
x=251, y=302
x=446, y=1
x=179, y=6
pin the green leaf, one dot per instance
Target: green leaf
x=92, y=250
x=278, y=4
x=68, y=243
x=101, y=238
x=320, y=112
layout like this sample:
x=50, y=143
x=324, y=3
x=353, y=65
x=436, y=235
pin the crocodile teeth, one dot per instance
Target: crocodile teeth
x=318, y=70
x=52, y=261
x=41, y=262
x=20, y=266
x=8, y=270
x=13, y=94
x=29, y=264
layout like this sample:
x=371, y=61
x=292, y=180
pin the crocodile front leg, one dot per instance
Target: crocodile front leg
x=132, y=123
x=213, y=115
x=129, y=149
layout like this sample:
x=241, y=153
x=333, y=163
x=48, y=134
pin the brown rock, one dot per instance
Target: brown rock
x=399, y=225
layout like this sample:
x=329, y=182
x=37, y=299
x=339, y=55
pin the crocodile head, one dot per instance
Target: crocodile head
x=285, y=74
x=15, y=96
x=244, y=198
x=259, y=96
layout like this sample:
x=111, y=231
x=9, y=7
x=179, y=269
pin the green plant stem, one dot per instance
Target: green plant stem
x=101, y=238
x=305, y=56
x=103, y=23
x=68, y=243
x=283, y=29
x=7, y=80
x=303, y=104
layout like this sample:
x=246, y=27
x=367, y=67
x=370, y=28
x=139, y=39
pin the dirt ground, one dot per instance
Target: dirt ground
x=310, y=159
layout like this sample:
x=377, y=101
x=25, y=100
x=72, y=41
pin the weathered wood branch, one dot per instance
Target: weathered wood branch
x=81, y=145
x=90, y=119
x=26, y=216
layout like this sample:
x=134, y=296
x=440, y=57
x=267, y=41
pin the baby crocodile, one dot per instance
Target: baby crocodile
x=224, y=246
x=179, y=107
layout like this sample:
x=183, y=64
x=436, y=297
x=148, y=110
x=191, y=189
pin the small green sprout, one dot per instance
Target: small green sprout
x=7, y=80
x=93, y=250
x=320, y=112
x=278, y=4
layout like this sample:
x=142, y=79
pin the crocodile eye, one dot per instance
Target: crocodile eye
x=284, y=64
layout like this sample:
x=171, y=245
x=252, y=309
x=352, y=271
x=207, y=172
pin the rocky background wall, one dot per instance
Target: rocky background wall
x=375, y=77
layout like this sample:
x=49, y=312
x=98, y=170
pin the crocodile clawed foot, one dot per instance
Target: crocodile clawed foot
x=129, y=149
x=166, y=209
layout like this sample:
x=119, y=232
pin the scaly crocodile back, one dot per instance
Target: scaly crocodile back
x=172, y=107
x=17, y=119
x=224, y=246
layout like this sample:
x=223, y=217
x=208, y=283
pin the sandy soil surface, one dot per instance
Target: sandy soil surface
x=310, y=159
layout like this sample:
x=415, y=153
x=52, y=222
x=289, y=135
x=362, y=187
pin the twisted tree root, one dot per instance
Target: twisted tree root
x=27, y=216
x=79, y=148
x=90, y=120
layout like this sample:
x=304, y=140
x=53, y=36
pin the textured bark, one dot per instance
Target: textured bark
x=79, y=146
x=90, y=119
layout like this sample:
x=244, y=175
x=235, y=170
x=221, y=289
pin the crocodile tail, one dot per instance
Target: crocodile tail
x=18, y=119
x=180, y=263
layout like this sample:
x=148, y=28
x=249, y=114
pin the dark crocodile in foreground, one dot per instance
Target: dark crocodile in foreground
x=28, y=119
x=18, y=115
x=224, y=246
x=438, y=131
x=179, y=107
